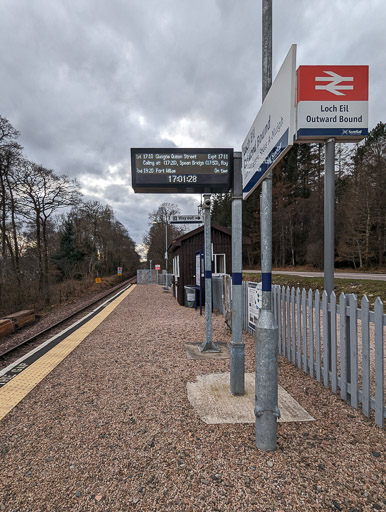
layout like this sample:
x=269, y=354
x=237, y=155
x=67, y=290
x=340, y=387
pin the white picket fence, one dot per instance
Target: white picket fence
x=339, y=344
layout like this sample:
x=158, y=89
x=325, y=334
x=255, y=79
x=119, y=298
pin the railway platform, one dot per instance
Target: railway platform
x=103, y=421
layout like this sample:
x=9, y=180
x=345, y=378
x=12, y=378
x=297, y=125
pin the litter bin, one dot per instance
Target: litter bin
x=190, y=294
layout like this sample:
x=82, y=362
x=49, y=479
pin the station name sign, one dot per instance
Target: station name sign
x=332, y=101
x=272, y=132
x=179, y=170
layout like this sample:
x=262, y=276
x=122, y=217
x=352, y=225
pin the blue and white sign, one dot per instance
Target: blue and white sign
x=186, y=219
x=272, y=132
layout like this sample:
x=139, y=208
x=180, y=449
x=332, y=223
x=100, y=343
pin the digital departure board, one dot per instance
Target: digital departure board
x=176, y=170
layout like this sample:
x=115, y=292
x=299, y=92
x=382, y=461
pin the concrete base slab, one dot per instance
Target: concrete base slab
x=193, y=352
x=213, y=402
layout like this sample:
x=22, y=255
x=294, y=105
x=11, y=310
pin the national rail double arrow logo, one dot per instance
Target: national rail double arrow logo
x=332, y=83
x=334, y=86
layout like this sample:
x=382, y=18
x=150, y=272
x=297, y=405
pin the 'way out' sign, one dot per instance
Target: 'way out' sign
x=332, y=101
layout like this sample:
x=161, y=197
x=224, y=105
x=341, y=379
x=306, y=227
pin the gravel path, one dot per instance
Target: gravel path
x=111, y=429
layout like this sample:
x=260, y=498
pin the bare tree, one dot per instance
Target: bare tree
x=42, y=193
x=9, y=152
x=159, y=221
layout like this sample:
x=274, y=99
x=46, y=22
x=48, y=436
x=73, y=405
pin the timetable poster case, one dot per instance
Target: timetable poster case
x=254, y=303
x=181, y=170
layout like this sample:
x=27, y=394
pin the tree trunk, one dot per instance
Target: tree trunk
x=40, y=255
x=45, y=261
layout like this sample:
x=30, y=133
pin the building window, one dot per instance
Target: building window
x=219, y=264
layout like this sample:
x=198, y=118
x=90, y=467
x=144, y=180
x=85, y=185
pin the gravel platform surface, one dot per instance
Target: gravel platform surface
x=111, y=429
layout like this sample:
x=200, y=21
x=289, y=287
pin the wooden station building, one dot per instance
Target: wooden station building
x=184, y=249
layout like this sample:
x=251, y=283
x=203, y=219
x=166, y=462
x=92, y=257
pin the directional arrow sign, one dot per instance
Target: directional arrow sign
x=186, y=219
x=332, y=101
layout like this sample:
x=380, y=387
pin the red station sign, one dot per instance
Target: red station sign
x=332, y=101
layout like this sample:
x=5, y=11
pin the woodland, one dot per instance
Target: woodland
x=53, y=243
x=298, y=203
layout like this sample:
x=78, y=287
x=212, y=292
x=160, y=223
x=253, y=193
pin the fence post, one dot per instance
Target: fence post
x=278, y=319
x=304, y=313
x=365, y=322
x=283, y=330
x=379, y=363
x=311, y=332
x=344, y=347
x=326, y=355
x=288, y=324
x=353, y=344
x=299, y=329
x=334, y=369
x=317, y=336
x=293, y=326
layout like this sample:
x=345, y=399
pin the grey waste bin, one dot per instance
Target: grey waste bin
x=189, y=296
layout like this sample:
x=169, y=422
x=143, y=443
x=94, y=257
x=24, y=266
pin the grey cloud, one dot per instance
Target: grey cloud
x=84, y=81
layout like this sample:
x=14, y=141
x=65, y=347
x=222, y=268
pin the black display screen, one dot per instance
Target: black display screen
x=176, y=170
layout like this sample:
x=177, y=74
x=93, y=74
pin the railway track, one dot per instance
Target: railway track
x=13, y=348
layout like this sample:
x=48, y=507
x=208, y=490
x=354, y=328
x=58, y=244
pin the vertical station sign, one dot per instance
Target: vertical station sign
x=332, y=101
x=272, y=132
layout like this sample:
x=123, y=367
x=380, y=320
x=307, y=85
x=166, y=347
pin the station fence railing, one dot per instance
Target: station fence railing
x=335, y=340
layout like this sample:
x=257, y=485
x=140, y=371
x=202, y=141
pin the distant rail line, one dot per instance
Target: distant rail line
x=11, y=349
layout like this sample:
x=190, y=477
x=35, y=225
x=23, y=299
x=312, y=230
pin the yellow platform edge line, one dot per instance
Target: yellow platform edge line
x=19, y=387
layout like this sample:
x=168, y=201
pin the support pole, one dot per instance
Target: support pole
x=329, y=234
x=237, y=352
x=267, y=332
x=208, y=345
x=166, y=255
x=329, y=203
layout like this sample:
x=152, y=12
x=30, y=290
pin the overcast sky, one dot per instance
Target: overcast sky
x=86, y=80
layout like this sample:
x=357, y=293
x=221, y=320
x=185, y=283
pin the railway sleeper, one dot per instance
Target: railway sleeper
x=18, y=320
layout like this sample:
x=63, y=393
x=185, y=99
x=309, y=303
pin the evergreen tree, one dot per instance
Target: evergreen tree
x=69, y=255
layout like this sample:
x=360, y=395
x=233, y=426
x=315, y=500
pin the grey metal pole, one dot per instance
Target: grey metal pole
x=208, y=345
x=329, y=230
x=166, y=255
x=150, y=273
x=329, y=204
x=266, y=47
x=237, y=352
x=267, y=332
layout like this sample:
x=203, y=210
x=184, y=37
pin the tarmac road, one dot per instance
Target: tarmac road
x=337, y=275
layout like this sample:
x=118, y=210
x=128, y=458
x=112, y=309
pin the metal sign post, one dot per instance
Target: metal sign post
x=208, y=345
x=267, y=332
x=329, y=230
x=237, y=352
x=166, y=255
